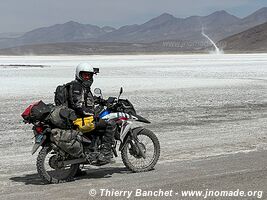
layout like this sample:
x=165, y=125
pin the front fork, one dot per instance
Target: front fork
x=133, y=140
x=138, y=148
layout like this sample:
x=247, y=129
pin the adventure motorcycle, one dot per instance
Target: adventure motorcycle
x=140, y=148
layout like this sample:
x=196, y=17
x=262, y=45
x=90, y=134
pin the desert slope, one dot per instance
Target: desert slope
x=253, y=39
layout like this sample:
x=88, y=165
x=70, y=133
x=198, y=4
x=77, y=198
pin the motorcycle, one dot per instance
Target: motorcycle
x=139, y=147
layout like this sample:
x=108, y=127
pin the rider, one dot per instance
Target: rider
x=82, y=101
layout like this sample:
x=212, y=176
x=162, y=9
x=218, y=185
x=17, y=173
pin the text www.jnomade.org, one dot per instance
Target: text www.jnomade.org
x=205, y=194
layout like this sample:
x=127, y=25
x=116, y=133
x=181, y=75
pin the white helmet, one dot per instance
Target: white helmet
x=84, y=67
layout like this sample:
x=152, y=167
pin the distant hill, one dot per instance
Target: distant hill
x=259, y=17
x=67, y=32
x=253, y=39
x=63, y=33
x=182, y=34
x=168, y=27
x=217, y=25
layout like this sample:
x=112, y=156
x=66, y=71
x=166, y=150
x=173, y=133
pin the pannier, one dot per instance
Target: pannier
x=67, y=140
x=62, y=117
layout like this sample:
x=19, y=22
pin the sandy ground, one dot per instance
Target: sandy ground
x=210, y=114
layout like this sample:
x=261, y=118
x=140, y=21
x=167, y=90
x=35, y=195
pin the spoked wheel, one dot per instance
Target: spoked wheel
x=51, y=169
x=143, y=161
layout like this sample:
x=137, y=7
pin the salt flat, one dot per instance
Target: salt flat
x=199, y=105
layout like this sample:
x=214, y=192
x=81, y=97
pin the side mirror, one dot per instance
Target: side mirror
x=98, y=91
x=121, y=91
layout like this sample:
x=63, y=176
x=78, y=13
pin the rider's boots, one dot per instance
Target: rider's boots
x=106, y=155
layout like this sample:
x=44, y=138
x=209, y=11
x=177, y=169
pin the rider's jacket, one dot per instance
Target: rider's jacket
x=81, y=99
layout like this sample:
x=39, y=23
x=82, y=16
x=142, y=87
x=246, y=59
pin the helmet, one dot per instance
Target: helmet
x=85, y=67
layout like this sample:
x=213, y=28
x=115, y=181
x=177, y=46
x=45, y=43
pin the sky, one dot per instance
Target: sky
x=26, y=15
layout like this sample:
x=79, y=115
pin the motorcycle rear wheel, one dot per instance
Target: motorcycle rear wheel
x=48, y=170
x=135, y=162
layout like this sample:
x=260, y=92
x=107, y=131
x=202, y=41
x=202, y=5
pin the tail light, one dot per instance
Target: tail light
x=39, y=129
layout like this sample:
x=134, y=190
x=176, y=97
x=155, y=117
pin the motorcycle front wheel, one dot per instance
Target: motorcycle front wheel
x=149, y=145
x=49, y=169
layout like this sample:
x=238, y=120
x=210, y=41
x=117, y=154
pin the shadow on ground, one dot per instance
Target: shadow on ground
x=34, y=179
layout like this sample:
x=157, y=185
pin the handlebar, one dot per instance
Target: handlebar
x=110, y=100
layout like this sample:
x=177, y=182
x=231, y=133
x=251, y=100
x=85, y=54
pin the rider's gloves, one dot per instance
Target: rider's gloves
x=101, y=101
x=88, y=111
x=83, y=112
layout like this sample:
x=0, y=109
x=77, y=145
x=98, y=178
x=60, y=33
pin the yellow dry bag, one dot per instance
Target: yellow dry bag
x=85, y=124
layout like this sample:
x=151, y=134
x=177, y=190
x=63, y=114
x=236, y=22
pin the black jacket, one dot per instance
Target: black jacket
x=81, y=99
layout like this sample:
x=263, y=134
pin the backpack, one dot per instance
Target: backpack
x=62, y=95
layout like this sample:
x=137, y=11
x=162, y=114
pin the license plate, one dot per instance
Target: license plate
x=38, y=139
x=38, y=142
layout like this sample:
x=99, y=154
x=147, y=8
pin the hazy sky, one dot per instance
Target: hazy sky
x=25, y=15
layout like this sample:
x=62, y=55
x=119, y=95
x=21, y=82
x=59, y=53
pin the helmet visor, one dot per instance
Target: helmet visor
x=86, y=76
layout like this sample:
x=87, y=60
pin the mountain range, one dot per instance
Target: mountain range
x=166, y=27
